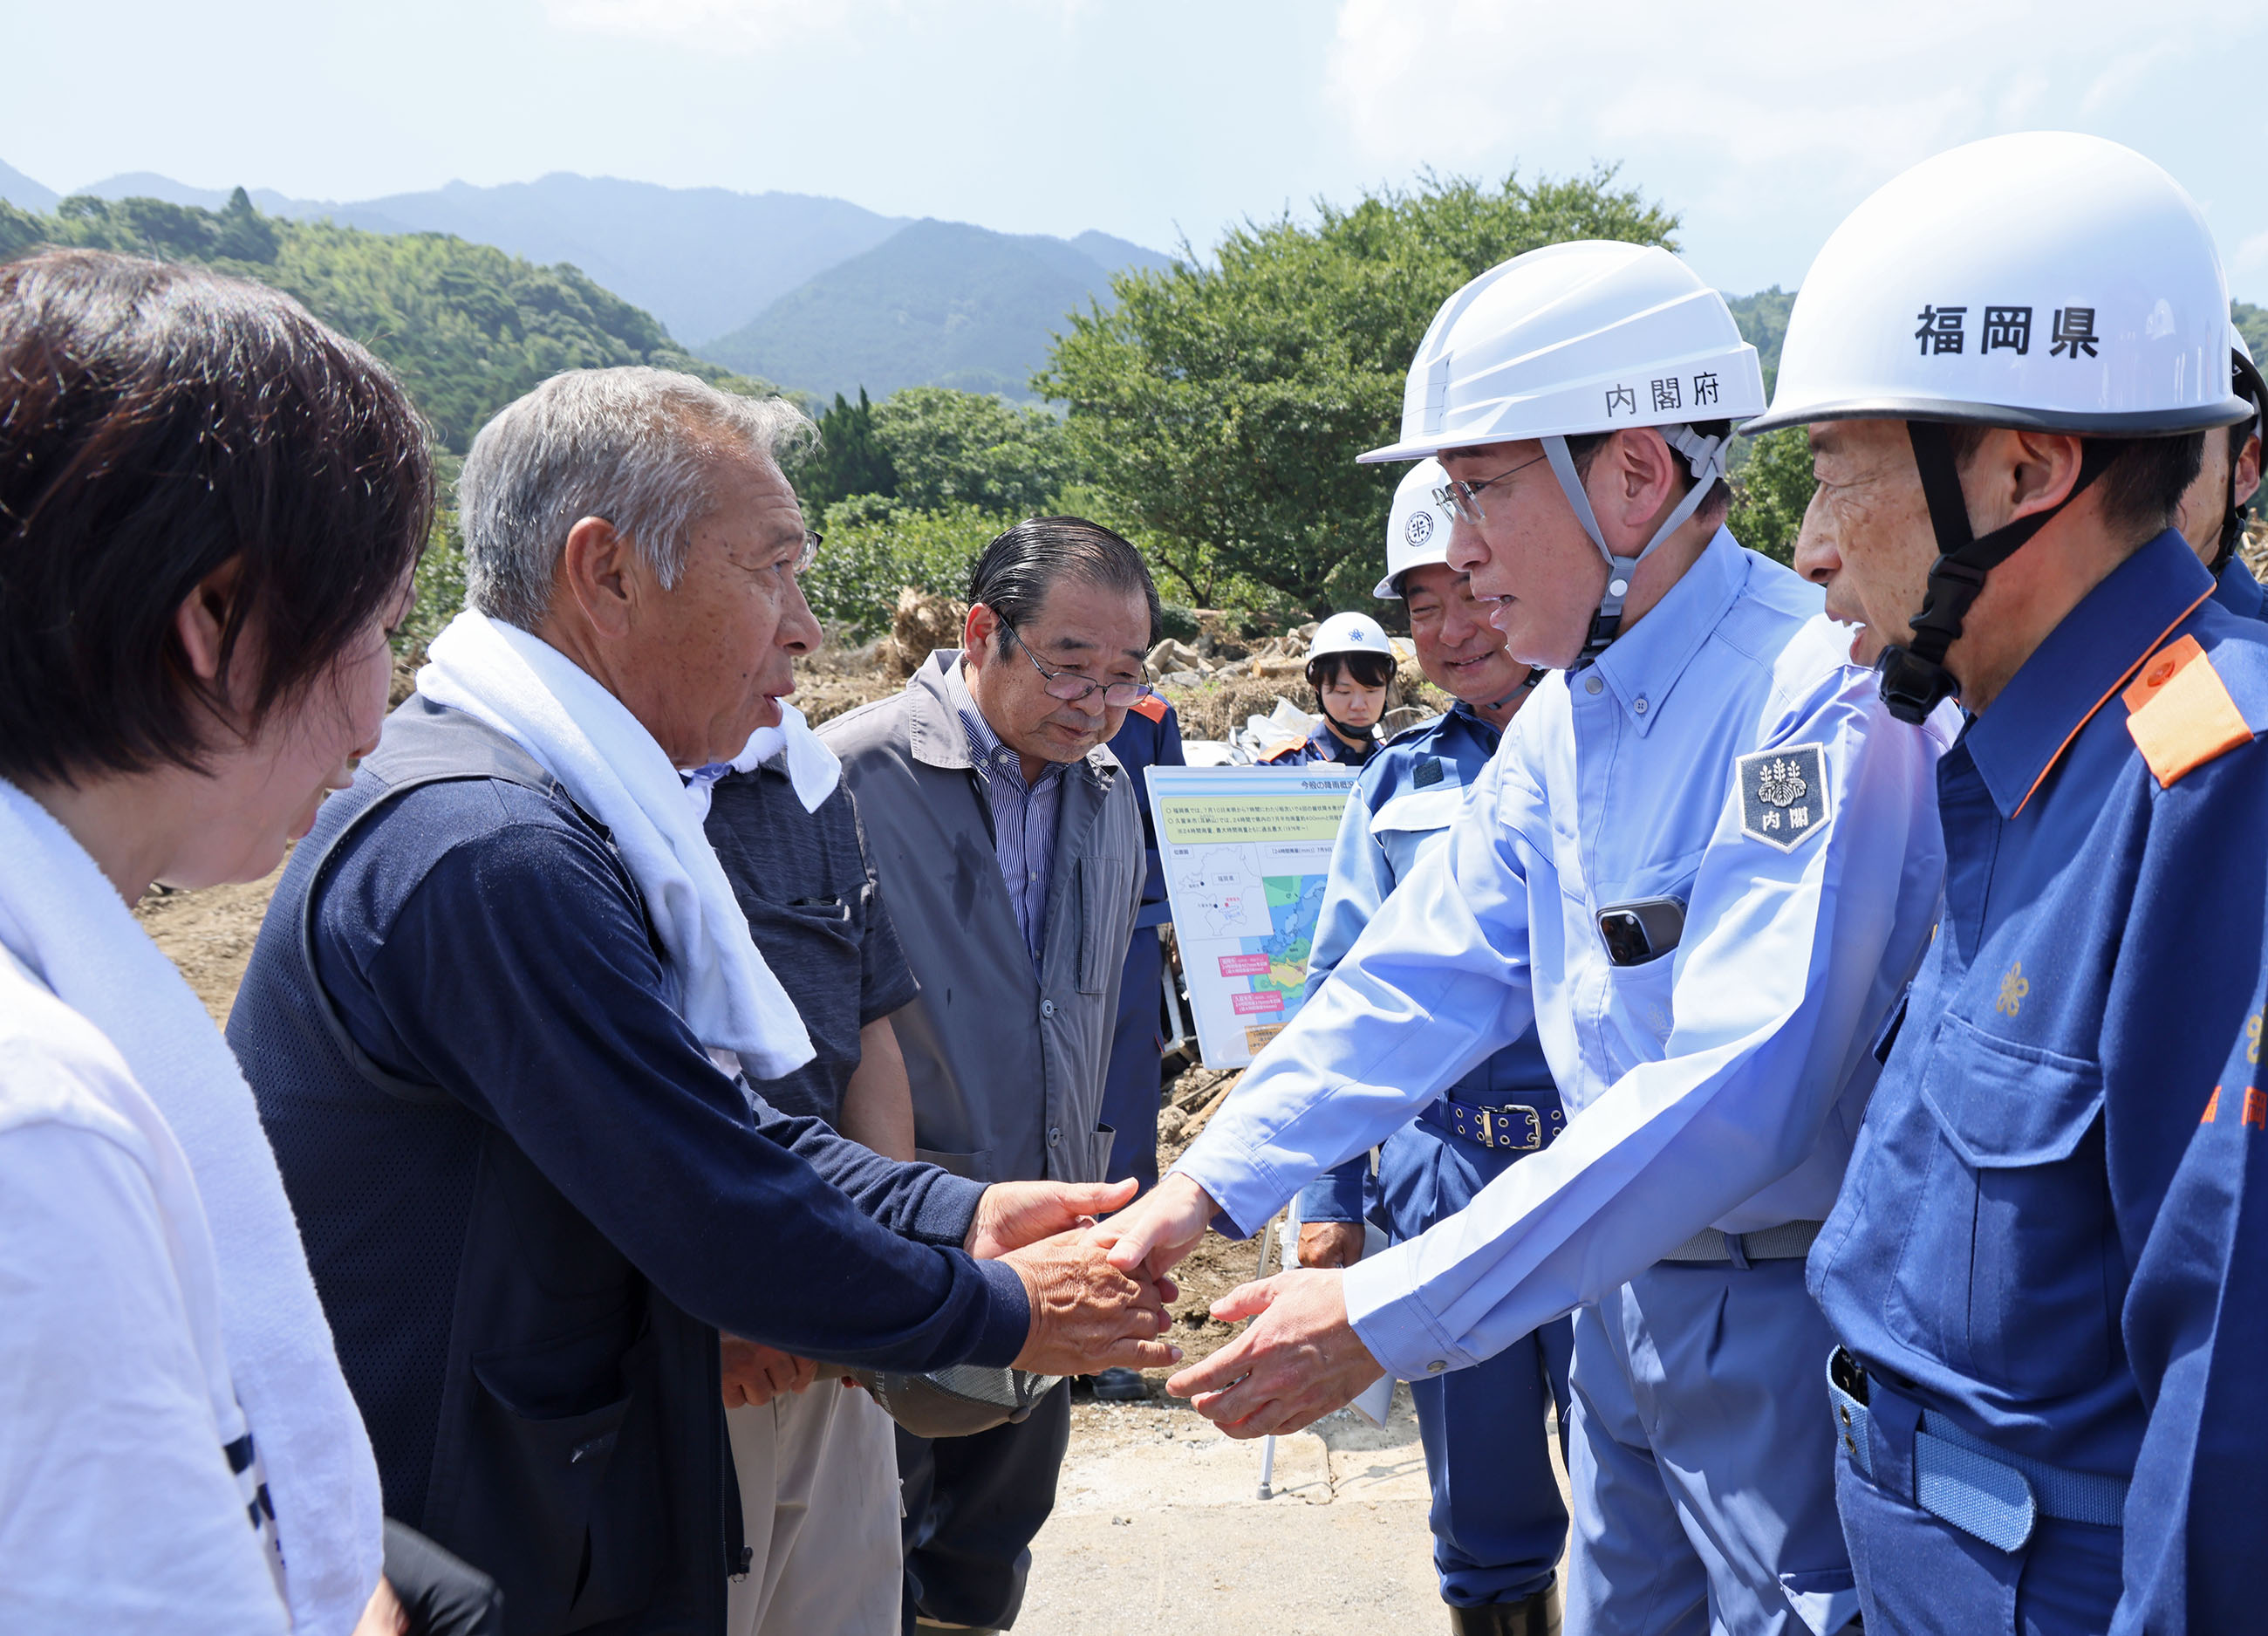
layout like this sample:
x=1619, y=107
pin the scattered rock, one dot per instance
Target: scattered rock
x=1170, y=655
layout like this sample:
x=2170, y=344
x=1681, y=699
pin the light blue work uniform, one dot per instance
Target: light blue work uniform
x=1498, y=1527
x=2047, y=1262
x=1725, y=753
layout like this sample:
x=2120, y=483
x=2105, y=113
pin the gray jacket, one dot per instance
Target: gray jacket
x=1006, y=1071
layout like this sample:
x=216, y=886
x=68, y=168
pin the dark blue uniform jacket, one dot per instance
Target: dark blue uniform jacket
x=2049, y=1234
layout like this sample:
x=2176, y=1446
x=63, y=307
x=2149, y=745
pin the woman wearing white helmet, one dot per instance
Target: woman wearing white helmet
x=1350, y=662
x=1688, y=868
x=2046, y=1269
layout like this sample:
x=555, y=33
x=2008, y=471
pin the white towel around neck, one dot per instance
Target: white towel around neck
x=617, y=771
x=64, y=920
x=812, y=770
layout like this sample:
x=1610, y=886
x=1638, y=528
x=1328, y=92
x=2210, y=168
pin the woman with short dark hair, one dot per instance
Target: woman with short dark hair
x=210, y=507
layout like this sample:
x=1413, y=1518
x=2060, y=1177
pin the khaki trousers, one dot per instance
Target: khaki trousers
x=819, y=1505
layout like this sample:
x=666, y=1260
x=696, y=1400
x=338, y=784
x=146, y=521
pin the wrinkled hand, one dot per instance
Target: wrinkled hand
x=1013, y=1214
x=1298, y=1361
x=1087, y=1316
x=755, y=1374
x=1330, y=1243
x=1156, y=1232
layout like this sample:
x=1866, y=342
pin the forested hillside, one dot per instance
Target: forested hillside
x=468, y=326
x=938, y=302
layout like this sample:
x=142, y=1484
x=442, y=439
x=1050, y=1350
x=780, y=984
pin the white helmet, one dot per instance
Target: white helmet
x=1350, y=633
x=2042, y=279
x=1590, y=336
x=1418, y=527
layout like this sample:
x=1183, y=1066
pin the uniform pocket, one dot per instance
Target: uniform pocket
x=974, y=1167
x=2007, y=1268
x=1106, y=899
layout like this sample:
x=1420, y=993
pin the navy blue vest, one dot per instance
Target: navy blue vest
x=575, y=1449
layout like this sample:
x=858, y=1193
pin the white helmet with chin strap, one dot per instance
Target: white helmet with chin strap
x=2042, y=280
x=1418, y=527
x=1350, y=633
x=1576, y=339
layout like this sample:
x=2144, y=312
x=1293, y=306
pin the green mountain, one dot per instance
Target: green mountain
x=467, y=328
x=936, y=304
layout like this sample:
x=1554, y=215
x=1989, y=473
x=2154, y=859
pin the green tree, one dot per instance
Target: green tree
x=954, y=448
x=874, y=547
x=2251, y=322
x=1770, y=490
x=848, y=458
x=1220, y=408
x=467, y=327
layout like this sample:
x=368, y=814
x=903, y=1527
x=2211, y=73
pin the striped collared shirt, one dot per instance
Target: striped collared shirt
x=1023, y=816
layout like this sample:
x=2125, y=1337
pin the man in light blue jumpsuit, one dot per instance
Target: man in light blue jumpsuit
x=1498, y=1526
x=2047, y=1270
x=1702, y=866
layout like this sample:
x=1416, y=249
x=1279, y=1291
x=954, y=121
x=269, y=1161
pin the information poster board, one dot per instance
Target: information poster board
x=1247, y=852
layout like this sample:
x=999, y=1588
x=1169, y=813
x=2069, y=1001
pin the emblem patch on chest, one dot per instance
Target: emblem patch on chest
x=1784, y=795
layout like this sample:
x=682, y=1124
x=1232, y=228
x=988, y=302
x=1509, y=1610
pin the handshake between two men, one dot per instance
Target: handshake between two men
x=1088, y=1314
x=1299, y=1360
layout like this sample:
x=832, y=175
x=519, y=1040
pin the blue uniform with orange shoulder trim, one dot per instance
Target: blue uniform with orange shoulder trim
x=2049, y=1278
x=2238, y=592
x=1320, y=745
x=1498, y=1526
x=1151, y=736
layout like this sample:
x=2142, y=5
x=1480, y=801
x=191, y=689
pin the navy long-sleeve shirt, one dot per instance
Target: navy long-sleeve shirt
x=480, y=937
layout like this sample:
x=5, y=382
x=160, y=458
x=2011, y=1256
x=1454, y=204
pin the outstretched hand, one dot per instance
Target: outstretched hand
x=1087, y=1316
x=1013, y=1214
x=1299, y=1360
x=1154, y=1234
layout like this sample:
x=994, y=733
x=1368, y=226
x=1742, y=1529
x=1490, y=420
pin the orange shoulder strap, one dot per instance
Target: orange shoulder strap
x=1149, y=704
x=2179, y=712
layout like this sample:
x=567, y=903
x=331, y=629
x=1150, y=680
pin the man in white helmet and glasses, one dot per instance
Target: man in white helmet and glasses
x=1703, y=867
x=2048, y=1269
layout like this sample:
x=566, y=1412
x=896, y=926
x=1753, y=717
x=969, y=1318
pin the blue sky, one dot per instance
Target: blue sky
x=1761, y=123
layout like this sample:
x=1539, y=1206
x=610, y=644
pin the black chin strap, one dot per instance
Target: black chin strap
x=1914, y=679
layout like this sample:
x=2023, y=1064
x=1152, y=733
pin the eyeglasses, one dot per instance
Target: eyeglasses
x=811, y=540
x=1463, y=499
x=1071, y=687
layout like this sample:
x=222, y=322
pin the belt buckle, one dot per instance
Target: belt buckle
x=1493, y=1120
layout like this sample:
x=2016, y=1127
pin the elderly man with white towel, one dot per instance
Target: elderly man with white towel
x=498, y=1022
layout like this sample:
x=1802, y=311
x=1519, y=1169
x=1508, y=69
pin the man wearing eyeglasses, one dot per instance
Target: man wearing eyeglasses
x=1701, y=866
x=1005, y=840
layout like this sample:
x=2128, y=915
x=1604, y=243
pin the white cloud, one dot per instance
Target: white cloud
x=737, y=25
x=1752, y=114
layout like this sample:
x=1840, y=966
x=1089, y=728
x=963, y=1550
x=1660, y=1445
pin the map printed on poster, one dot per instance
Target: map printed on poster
x=1247, y=851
